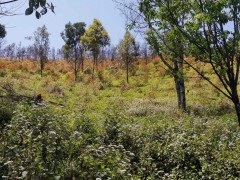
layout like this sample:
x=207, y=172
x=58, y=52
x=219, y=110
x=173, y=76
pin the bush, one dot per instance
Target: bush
x=6, y=111
x=34, y=144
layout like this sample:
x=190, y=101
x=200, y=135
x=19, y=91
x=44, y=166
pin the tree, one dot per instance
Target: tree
x=94, y=39
x=33, y=6
x=2, y=31
x=136, y=48
x=212, y=40
x=126, y=51
x=145, y=52
x=165, y=40
x=21, y=51
x=10, y=51
x=41, y=45
x=72, y=36
x=53, y=53
x=112, y=53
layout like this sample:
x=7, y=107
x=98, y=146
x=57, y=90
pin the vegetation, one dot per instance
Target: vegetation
x=109, y=129
x=41, y=46
x=33, y=6
x=72, y=36
x=95, y=38
x=64, y=124
x=2, y=31
x=209, y=40
x=126, y=51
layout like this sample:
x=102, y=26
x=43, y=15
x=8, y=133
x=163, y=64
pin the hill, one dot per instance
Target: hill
x=102, y=127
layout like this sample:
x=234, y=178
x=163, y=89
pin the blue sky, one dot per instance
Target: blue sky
x=21, y=26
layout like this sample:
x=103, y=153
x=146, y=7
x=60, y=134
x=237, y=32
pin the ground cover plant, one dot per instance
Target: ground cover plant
x=105, y=128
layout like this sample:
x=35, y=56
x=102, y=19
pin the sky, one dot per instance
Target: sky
x=20, y=26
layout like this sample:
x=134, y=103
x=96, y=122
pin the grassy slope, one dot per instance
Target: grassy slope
x=150, y=87
x=145, y=114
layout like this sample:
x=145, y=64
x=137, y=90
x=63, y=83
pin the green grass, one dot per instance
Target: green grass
x=111, y=129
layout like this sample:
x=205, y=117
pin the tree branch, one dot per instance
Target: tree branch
x=8, y=2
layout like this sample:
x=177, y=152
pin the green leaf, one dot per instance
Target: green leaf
x=52, y=8
x=38, y=15
x=29, y=11
x=43, y=3
x=44, y=11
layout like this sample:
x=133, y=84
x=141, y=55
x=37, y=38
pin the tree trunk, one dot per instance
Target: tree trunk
x=182, y=84
x=41, y=72
x=82, y=65
x=75, y=69
x=235, y=99
x=179, y=83
x=96, y=64
x=41, y=67
x=177, y=86
x=127, y=71
x=183, y=94
x=237, y=109
x=94, y=60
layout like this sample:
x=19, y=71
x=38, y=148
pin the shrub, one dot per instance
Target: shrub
x=33, y=144
x=6, y=111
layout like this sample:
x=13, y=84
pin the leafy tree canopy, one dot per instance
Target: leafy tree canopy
x=73, y=33
x=35, y=5
x=2, y=31
x=95, y=37
x=40, y=7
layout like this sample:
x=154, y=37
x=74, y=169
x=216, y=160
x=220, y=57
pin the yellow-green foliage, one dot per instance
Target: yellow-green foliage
x=110, y=129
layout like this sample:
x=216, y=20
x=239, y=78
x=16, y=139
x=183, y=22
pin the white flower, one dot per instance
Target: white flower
x=24, y=174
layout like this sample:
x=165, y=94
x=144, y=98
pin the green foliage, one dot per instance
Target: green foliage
x=35, y=5
x=42, y=45
x=6, y=111
x=118, y=132
x=34, y=143
x=95, y=38
x=204, y=26
x=2, y=31
x=73, y=33
x=127, y=50
x=73, y=49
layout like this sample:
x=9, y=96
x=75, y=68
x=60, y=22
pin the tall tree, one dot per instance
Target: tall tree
x=10, y=51
x=41, y=45
x=126, y=51
x=212, y=40
x=94, y=39
x=145, y=52
x=72, y=36
x=165, y=40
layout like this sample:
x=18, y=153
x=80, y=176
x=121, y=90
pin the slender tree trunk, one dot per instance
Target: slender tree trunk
x=75, y=69
x=96, y=64
x=82, y=64
x=75, y=64
x=182, y=85
x=237, y=109
x=41, y=67
x=183, y=95
x=41, y=72
x=94, y=59
x=235, y=99
x=177, y=86
x=127, y=71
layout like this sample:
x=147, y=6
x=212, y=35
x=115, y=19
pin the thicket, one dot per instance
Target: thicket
x=42, y=142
